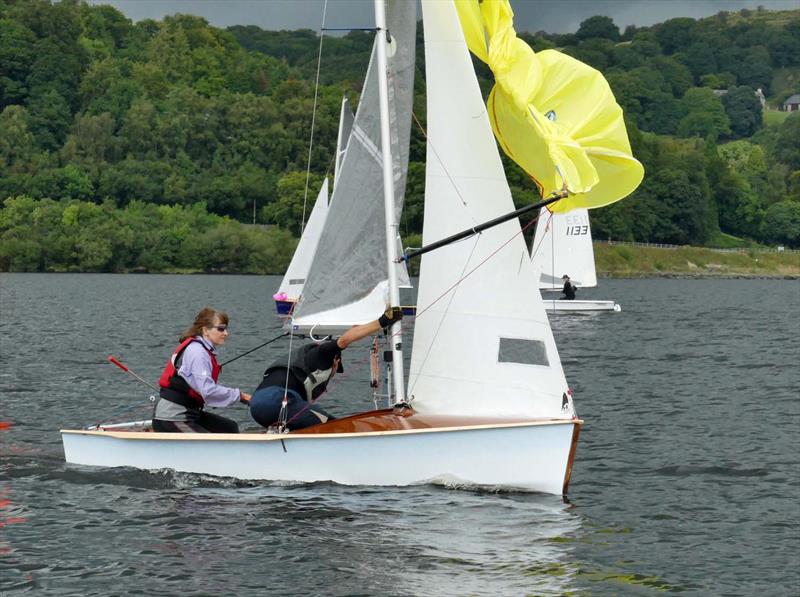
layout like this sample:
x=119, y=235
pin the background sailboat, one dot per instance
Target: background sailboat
x=563, y=246
x=294, y=279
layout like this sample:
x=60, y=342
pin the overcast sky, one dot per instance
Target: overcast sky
x=553, y=16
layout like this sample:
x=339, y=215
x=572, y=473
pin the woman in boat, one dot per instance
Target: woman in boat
x=189, y=381
x=305, y=376
x=569, y=288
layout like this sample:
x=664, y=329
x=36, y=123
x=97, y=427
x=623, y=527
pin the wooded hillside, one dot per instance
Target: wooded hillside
x=108, y=119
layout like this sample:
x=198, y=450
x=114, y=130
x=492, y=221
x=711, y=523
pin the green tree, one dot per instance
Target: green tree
x=740, y=209
x=699, y=59
x=598, y=26
x=91, y=142
x=16, y=55
x=675, y=34
x=49, y=118
x=287, y=209
x=754, y=70
x=787, y=146
x=675, y=74
x=17, y=145
x=782, y=224
x=743, y=110
x=705, y=115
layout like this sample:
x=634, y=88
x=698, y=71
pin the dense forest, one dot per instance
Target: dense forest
x=154, y=145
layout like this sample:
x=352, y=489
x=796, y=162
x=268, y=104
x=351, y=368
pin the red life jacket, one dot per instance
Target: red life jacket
x=174, y=387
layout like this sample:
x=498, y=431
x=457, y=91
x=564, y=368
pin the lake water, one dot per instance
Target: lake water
x=687, y=477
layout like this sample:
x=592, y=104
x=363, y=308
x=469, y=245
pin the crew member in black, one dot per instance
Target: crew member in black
x=305, y=377
x=569, y=288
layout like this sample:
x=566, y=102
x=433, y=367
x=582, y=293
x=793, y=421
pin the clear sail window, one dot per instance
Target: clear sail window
x=522, y=351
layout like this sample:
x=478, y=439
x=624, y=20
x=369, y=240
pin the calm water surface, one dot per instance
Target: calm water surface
x=687, y=476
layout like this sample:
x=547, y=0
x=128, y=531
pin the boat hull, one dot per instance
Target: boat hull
x=533, y=456
x=560, y=305
x=283, y=307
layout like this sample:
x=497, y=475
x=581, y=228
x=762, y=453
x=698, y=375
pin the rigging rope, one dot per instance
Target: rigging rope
x=441, y=163
x=313, y=116
x=283, y=412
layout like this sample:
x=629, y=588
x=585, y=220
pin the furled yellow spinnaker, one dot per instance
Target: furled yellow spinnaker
x=552, y=114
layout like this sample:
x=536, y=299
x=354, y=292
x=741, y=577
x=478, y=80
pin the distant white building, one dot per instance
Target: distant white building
x=761, y=98
x=792, y=104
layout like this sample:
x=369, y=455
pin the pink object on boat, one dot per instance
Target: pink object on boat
x=280, y=296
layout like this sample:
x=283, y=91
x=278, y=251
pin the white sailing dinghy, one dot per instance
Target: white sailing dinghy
x=488, y=403
x=291, y=287
x=563, y=246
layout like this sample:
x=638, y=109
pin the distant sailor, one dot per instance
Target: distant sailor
x=189, y=381
x=569, y=288
x=304, y=377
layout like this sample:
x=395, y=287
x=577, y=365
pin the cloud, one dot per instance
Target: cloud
x=553, y=16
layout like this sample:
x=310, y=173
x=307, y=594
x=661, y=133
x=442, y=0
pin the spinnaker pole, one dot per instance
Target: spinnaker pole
x=481, y=227
x=395, y=333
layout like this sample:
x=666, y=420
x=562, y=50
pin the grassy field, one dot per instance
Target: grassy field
x=629, y=261
x=774, y=117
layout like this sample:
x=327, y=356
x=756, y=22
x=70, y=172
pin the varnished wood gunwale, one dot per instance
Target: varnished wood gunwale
x=371, y=423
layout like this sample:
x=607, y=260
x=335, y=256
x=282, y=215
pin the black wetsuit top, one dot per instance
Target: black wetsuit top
x=319, y=358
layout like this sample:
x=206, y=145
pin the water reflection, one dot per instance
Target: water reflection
x=400, y=541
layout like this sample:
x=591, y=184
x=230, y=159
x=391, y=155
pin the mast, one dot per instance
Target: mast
x=395, y=333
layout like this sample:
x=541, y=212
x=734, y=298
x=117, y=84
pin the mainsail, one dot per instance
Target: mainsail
x=552, y=114
x=482, y=342
x=352, y=246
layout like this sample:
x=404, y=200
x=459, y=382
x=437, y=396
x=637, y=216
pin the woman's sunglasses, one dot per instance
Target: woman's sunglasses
x=219, y=328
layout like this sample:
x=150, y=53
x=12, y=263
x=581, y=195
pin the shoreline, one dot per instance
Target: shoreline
x=698, y=276
x=612, y=260
x=619, y=260
x=629, y=275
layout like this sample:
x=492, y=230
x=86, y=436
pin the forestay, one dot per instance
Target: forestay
x=353, y=246
x=485, y=347
x=563, y=245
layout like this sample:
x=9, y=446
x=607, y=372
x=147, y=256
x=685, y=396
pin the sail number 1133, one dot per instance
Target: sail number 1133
x=577, y=230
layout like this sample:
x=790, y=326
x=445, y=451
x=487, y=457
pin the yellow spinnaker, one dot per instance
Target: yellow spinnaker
x=553, y=115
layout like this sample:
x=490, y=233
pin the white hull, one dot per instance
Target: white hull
x=561, y=305
x=533, y=456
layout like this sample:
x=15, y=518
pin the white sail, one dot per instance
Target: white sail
x=348, y=277
x=295, y=277
x=563, y=246
x=482, y=341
